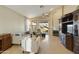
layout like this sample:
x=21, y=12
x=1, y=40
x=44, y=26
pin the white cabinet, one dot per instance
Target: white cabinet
x=16, y=38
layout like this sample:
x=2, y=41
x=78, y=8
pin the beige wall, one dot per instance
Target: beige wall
x=11, y=22
x=56, y=17
x=69, y=8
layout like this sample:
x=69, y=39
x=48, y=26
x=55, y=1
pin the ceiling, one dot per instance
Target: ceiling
x=31, y=11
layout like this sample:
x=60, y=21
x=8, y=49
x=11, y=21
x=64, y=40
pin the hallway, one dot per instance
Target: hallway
x=55, y=48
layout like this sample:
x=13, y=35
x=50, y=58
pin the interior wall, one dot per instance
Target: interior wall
x=11, y=22
x=69, y=8
x=56, y=17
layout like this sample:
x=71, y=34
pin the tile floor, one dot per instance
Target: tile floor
x=54, y=48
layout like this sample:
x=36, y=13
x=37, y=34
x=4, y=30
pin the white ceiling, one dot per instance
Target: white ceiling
x=31, y=11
